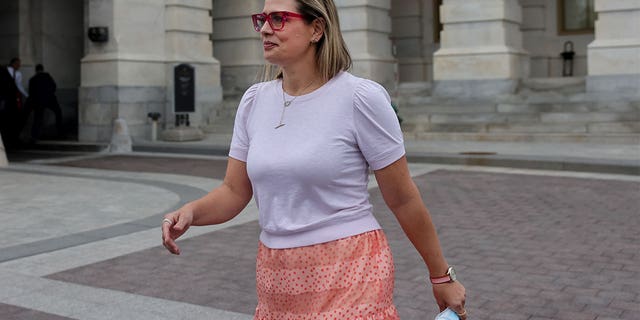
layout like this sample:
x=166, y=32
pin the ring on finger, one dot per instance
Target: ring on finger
x=462, y=314
x=167, y=221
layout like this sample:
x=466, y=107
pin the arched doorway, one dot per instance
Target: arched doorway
x=48, y=32
x=415, y=36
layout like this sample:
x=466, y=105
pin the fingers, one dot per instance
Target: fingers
x=180, y=224
x=459, y=308
x=452, y=295
x=167, y=236
x=173, y=226
x=462, y=313
x=171, y=246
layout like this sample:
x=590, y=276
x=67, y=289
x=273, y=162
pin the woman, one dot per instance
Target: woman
x=303, y=145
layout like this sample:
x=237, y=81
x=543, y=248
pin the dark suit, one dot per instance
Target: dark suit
x=9, y=113
x=42, y=95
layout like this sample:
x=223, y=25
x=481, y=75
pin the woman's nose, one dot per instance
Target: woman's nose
x=266, y=28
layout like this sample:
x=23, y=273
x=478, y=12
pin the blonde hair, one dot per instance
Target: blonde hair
x=332, y=55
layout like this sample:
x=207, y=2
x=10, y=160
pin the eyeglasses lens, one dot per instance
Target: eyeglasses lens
x=277, y=20
x=258, y=21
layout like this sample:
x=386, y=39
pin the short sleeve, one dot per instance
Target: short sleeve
x=378, y=132
x=240, y=140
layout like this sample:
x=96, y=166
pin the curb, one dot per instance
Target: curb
x=609, y=166
x=539, y=163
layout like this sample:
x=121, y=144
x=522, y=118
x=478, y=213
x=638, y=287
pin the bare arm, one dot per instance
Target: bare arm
x=226, y=201
x=218, y=206
x=403, y=198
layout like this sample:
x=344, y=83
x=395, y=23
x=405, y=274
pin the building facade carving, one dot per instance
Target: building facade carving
x=449, y=48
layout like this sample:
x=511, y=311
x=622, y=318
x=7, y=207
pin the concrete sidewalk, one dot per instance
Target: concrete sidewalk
x=81, y=237
x=59, y=218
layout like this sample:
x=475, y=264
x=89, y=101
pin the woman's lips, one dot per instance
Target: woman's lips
x=267, y=45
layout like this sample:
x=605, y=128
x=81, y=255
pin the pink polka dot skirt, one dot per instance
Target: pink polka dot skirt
x=350, y=278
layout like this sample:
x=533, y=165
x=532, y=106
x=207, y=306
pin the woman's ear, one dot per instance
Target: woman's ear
x=318, y=29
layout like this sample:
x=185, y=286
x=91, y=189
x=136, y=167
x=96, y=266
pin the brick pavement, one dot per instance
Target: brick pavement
x=526, y=247
x=9, y=312
x=194, y=167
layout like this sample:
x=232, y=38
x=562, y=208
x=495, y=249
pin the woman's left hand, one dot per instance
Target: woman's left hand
x=452, y=295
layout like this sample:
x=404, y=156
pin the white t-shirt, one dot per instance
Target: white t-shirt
x=17, y=75
x=310, y=176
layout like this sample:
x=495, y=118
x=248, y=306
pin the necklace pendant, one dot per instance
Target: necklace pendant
x=280, y=125
x=287, y=103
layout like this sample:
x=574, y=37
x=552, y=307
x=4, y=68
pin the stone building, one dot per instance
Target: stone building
x=487, y=69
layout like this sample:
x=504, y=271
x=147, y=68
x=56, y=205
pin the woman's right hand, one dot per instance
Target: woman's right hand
x=174, y=225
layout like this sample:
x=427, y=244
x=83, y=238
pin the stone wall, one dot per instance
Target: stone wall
x=236, y=44
x=614, y=55
x=544, y=41
x=8, y=30
x=481, y=52
x=132, y=73
x=366, y=28
x=413, y=38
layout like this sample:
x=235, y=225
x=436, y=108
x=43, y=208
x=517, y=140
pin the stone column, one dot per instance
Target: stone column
x=481, y=51
x=613, y=58
x=3, y=154
x=188, y=40
x=26, y=39
x=124, y=77
x=366, y=27
x=131, y=74
x=413, y=40
x=236, y=44
x=9, y=30
x=57, y=41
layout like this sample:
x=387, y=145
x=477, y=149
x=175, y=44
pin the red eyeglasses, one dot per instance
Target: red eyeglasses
x=276, y=19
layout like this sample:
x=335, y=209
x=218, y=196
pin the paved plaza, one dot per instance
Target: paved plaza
x=81, y=240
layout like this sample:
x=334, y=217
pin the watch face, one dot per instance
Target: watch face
x=452, y=274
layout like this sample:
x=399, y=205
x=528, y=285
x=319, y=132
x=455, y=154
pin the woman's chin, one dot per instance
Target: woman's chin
x=270, y=58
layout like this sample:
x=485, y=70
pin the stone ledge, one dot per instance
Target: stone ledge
x=182, y=134
x=3, y=155
x=527, y=137
x=466, y=89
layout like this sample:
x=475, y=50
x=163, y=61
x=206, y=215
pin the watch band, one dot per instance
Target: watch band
x=450, y=276
x=440, y=280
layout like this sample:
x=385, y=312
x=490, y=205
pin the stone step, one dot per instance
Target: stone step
x=423, y=124
x=542, y=91
x=413, y=127
x=572, y=117
x=558, y=97
x=551, y=89
x=446, y=109
x=483, y=118
x=633, y=139
x=614, y=127
x=537, y=128
x=562, y=85
x=572, y=107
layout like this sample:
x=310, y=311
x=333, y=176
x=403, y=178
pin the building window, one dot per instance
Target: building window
x=575, y=16
x=437, y=24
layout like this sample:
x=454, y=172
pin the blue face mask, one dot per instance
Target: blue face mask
x=447, y=314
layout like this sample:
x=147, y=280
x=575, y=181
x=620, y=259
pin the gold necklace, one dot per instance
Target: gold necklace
x=286, y=103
